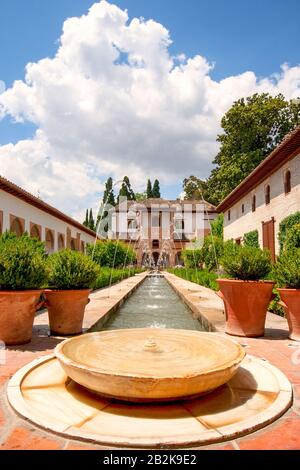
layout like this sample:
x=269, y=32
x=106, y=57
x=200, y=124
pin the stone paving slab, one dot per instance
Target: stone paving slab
x=275, y=347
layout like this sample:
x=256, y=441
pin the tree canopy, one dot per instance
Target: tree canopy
x=252, y=128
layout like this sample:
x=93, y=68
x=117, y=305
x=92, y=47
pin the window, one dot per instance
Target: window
x=17, y=226
x=35, y=232
x=229, y=215
x=49, y=241
x=73, y=244
x=60, y=241
x=254, y=204
x=155, y=221
x=243, y=208
x=287, y=182
x=267, y=194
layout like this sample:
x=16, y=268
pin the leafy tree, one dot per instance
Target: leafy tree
x=156, y=189
x=126, y=190
x=149, y=190
x=194, y=188
x=140, y=196
x=253, y=127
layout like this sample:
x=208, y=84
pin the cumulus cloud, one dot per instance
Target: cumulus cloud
x=113, y=101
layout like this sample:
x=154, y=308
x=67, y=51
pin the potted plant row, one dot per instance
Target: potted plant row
x=246, y=293
x=25, y=272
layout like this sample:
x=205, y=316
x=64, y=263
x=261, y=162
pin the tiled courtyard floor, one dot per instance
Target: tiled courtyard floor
x=16, y=433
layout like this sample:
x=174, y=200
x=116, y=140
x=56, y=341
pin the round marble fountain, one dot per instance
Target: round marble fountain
x=143, y=365
x=95, y=386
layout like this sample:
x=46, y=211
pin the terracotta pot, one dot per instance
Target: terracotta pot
x=66, y=310
x=246, y=304
x=290, y=301
x=17, y=311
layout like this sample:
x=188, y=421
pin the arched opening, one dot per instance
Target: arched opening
x=16, y=227
x=287, y=182
x=267, y=194
x=82, y=247
x=155, y=257
x=73, y=244
x=60, y=242
x=49, y=241
x=35, y=232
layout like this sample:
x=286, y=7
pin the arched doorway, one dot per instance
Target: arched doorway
x=60, y=242
x=35, y=232
x=49, y=241
x=73, y=244
x=155, y=257
x=17, y=227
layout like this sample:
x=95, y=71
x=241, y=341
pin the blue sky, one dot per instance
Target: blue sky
x=256, y=35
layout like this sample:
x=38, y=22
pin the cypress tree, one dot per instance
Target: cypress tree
x=86, y=221
x=156, y=189
x=149, y=190
x=91, y=220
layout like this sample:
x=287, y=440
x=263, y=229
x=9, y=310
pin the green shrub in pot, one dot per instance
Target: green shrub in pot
x=246, y=295
x=71, y=276
x=23, y=274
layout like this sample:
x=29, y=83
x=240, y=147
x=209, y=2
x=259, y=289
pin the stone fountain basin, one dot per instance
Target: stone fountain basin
x=148, y=365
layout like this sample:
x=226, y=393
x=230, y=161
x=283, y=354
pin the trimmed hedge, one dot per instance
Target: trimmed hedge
x=285, y=225
x=251, y=239
x=292, y=238
x=109, y=276
x=202, y=277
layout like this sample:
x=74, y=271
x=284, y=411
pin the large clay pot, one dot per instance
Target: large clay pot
x=246, y=304
x=17, y=311
x=66, y=310
x=290, y=300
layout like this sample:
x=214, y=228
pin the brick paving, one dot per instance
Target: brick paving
x=275, y=347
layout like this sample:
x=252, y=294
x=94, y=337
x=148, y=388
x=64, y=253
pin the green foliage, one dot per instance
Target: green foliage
x=112, y=253
x=195, y=188
x=293, y=238
x=287, y=269
x=89, y=221
x=202, y=277
x=251, y=239
x=252, y=127
x=86, y=220
x=191, y=257
x=217, y=226
x=212, y=251
x=156, y=189
x=71, y=270
x=275, y=306
x=126, y=190
x=22, y=263
x=110, y=276
x=149, y=189
x=140, y=197
x=246, y=262
x=285, y=225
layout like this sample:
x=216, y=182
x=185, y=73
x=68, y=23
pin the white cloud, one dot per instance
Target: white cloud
x=114, y=101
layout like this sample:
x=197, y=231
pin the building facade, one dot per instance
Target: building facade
x=266, y=197
x=22, y=212
x=160, y=229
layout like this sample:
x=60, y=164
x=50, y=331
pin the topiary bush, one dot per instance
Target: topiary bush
x=287, y=269
x=22, y=263
x=112, y=253
x=292, y=238
x=285, y=225
x=251, y=239
x=71, y=270
x=246, y=263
